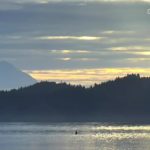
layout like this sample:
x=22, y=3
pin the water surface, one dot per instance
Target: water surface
x=61, y=136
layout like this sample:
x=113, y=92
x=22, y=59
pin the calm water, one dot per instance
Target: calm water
x=91, y=136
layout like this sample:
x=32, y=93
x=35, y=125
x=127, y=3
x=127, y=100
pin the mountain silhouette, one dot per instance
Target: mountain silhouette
x=11, y=77
x=124, y=99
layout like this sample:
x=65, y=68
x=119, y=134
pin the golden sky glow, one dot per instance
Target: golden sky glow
x=85, y=76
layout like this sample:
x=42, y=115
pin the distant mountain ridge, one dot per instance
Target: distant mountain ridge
x=11, y=77
x=124, y=99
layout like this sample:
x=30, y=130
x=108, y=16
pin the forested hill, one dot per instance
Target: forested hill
x=122, y=98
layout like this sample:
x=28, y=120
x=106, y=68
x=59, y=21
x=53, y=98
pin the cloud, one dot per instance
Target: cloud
x=130, y=48
x=78, y=59
x=82, y=38
x=26, y=1
x=75, y=34
x=4, y=6
x=139, y=60
x=117, y=32
x=87, y=59
x=65, y=59
x=85, y=1
x=70, y=51
x=144, y=53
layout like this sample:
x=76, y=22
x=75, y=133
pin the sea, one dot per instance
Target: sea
x=74, y=136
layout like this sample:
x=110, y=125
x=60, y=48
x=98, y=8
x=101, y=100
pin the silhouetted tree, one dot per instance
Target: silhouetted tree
x=129, y=95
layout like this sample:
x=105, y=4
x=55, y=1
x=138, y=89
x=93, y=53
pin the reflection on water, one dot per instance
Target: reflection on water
x=91, y=136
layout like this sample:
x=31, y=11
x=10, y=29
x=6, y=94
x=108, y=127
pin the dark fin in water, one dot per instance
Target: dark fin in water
x=76, y=132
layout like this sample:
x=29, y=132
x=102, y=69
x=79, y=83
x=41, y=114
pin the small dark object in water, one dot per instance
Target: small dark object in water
x=76, y=132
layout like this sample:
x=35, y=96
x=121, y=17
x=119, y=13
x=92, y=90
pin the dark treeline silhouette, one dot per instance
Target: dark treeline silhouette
x=123, y=99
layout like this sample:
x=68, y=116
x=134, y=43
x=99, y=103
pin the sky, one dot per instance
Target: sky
x=76, y=41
